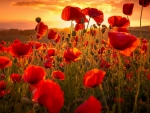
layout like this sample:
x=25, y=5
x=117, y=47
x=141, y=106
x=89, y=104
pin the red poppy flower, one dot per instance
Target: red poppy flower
x=2, y=48
x=91, y=12
x=123, y=41
x=101, y=50
x=58, y=75
x=57, y=39
x=19, y=49
x=15, y=77
x=92, y=105
x=118, y=21
x=144, y=3
x=2, y=84
x=36, y=45
x=93, y=77
x=41, y=30
x=82, y=20
x=79, y=27
x=104, y=64
x=144, y=48
x=99, y=19
x=2, y=76
x=51, y=52
x=144, y=40
x=34, y=74
x=3, y=42
x=16, y=41
x=3, y=91
x=49, y=62
x=117, y=100
x=86, y=10
x=50, y=95
x=148, y=76
x=129, y=76
x=5, y=62
x=52, y=34
x=128, y=8
x=71, y=54
x=71, y=13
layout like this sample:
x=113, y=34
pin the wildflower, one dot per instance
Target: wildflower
x=49, y=62
x=144, y=3
x=34, y=74
x=128, y=8
x=50, y=95
x=71, y=54
x=118, y=21
x=51, y=52
x=92, y=105
x=19, y=49
x=71, y=13
x=58, y=75
x=15, y=77
x=5, y=62
x=41, y=30
x=123, y=41
x=118, y=100
x=93, y=77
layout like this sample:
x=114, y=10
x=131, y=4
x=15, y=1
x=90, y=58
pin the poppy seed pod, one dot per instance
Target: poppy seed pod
x=38, y=19
x=103, y=29
x=73, y=33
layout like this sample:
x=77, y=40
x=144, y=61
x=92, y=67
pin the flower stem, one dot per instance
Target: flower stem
x=105, y=102
x=119, y=82
x=129, y=25
x=140, y=22
x=88, y=24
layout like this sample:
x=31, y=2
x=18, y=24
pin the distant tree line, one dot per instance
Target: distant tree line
x=17, y=32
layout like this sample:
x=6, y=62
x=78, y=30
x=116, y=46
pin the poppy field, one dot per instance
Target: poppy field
x=84, y=72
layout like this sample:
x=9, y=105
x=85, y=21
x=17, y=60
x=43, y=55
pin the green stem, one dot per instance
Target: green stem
x=88, y=24
x=138, y=87
x=119, y=82
x=140, y=22
x=137, y=93
x=105, y=102
x=100, y=33
x=129, y=25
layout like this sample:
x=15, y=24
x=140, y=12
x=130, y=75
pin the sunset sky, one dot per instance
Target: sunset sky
x=21, y=14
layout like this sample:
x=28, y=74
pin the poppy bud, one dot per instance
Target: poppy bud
x=84, y=30
x=67, y=39
x=15, y=60
x=73, y=33
x=36, y=108
x=94, y=26
x=69, y=35
x=97, y=41
x=146, y=66
x=87, y=63
x=103, y=29
x=70, y=44
x=26, y=101
x=38, y=19
x=95, y=47
x=92, y=53
x=104, y=26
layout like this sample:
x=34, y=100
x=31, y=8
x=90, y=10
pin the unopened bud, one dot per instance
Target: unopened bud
x=73, y=33
x=26, y=101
